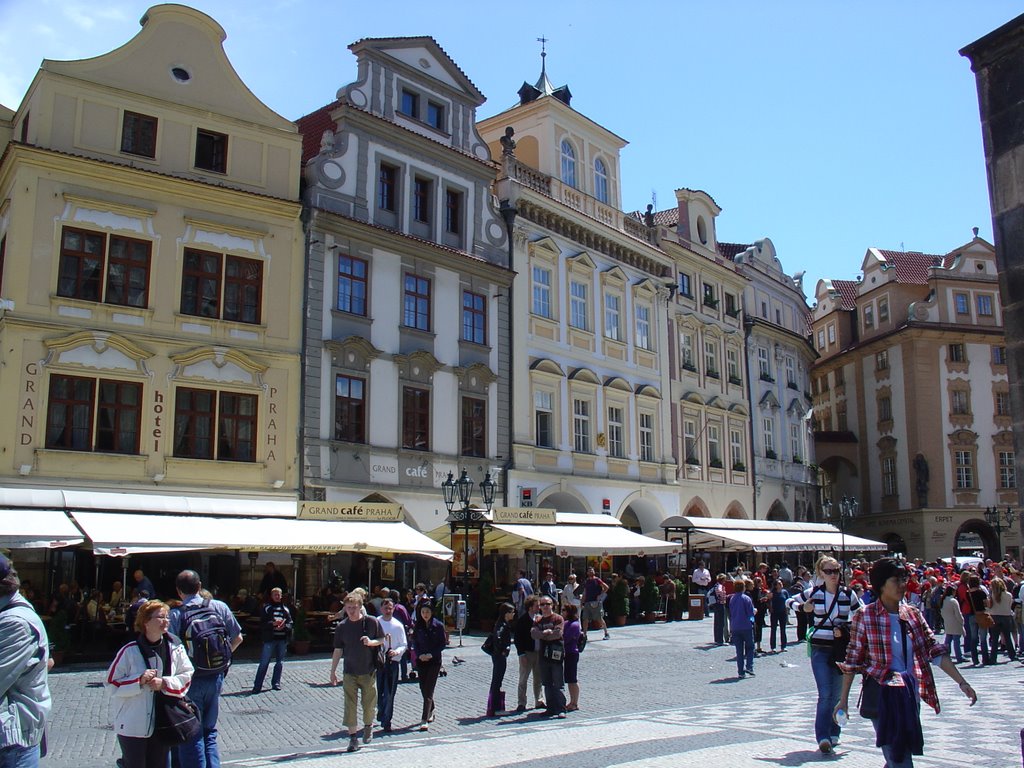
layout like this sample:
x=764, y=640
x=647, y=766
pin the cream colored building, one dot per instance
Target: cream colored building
x=911, y=400
x=152, y=279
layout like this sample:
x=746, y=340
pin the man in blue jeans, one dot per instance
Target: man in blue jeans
x=395, y=644
x=205, y=688
x=741, y=627
x=275, y=626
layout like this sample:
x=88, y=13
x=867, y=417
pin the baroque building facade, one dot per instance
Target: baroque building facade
x=148, y=201
x=911, y=400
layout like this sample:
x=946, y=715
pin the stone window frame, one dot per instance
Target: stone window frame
x=582, y=268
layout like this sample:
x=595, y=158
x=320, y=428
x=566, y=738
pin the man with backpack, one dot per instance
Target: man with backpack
x=211, y=634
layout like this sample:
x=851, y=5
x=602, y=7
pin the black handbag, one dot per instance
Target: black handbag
x=380, y=658
x=869, y=693
x=177, y=719
x=488, y=646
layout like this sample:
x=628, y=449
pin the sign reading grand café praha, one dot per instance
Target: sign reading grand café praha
x=365, y=512
x=523, y=515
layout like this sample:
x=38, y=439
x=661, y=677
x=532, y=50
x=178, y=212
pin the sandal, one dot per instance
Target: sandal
x=571, y=708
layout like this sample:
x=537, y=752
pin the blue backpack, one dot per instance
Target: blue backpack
x=206, y=639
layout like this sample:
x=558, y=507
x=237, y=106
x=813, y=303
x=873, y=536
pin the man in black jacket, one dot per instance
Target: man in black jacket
x=275, y=627
x=529, y=656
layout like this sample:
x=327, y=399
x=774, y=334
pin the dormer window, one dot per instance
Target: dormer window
x=568, y=163
x=410, y=104
x=138, y=134
x=600, y=181
x=702, y=230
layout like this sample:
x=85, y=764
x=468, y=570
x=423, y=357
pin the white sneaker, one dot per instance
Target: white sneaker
x=424, y=726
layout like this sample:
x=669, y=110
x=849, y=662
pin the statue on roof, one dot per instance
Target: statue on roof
x=508, y=144
x=649, y=215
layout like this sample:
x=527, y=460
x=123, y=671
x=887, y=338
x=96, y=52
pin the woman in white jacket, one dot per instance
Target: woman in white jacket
x=155, y=661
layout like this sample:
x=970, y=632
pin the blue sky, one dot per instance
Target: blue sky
x=828, y=127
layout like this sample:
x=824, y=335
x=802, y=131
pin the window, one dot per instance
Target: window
x=885, y=409
x=1002, y=404
x=736, y=448
x=211, y=151
x=684, y=285
x=882, y=360
x=410, y=105
x=616, y=446
x=387, y=187
x=225, y=287
x=869, y=316
x=643, y=327
x=732, y=360
x=3, y=258
x=453, y=212
x=711, y=358
x=214, y=425
x=686, y=351
x=84, y=414
x=690, y=442
x=568, y=163
x=883, y=310
x=794, y=441
x=349, y=409
x=352, y=285
x=841, y=421
x=714, y=446
x=474, y=318
x=831, y=333
x=963, y=306
x=542, y=292
x=416, y=303
x=984, y=304
x=612, y=325
x=109, y=269
x=646, y=437
x=764, y=364
x=764, y=309
x=731, y=308
x=821, y=339
x=959, y=402
x=435, y=115
x=998, y=353
x=709, y=295
x=600, y=181
x=581, y=426
x=474, y=426
x=778, y=316
x=791, y=373
x=421, y=193
x=889, y=476
x=956, y=353
x=840, y=376
x=768, y=425
x=964, y=467
x=544, y=419
x=415, y=419
x=578, y=305
x=138, y=134
x=1007, y=471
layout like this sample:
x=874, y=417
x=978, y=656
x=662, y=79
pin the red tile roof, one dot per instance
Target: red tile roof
x=312, y=127
x=731, y=250
x=912, y=266
x=847, y=290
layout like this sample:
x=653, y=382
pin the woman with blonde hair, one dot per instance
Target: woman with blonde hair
x=154, y=662
x=1000, y=606
x=828, y=607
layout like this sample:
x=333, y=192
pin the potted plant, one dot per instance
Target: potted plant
x=739, y=466
x=60, y=639
x=650, y=600
x=716, y=463
x=301, y=639
x=770, y=454
x=618, y=602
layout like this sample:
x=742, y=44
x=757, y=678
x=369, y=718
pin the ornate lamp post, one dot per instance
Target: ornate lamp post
x=846, y=508
x=457, y=495
x=1000, y=520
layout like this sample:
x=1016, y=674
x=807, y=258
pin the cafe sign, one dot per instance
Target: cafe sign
x=357, y=511
x=531, y=515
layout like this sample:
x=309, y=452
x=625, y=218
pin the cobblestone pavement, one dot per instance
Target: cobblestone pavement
x=653, y=695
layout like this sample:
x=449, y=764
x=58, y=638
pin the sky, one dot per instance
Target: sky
x=828, y=127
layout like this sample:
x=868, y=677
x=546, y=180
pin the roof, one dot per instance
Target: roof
x=847, y=290
x=912, y=266
x=667, y=218
x=312, y=127
x=427, y=40
x=731, y=250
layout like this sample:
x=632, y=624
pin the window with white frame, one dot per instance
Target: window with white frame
x=883, y=310
x=568, y=163
x=885, y=408
x=711, y=358
x=794, y=441
x=984, y=301
x=956, y=353
x=1002, y=403
x=764, y=364
x=732, y=359
x=962, y=302
x=882, y=360
x=646, y=436
x=600, y=181
x=1007, y=473
x=790, y=372
x=581, y=425
x=613, y=316
x=889, y=476
x=959, y=402
x=542, y=292
x=616, y=444
x=736, y=448
x=831, y=333
x=643, y=326
x=714, y=445
x=686, y=351
x=544, y=419
x=768, y=428
x=869, y=316
x=964, y=467
x=999, y=355
x=690, y=452
x=821, y=339
x=578, y=305
x=685, y=288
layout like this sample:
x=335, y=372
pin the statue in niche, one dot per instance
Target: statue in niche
x=921, y=469
x=508, y=144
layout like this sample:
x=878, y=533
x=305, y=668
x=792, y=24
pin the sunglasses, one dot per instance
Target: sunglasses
x=830, y=571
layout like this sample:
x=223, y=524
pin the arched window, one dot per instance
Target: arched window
x=568, y=163
x=600, y=181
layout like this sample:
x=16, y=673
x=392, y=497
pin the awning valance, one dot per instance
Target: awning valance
x=120, y=534
x=170, y=504
x=732, y=535
x=30, y=528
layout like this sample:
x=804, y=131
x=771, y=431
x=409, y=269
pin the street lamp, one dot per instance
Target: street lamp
x=457, y=494
x=846, y=509
x=1000, y=520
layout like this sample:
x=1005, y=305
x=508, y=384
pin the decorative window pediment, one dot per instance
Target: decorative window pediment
x=646, y=289
x=418, y=366
x=218, y=364
x=614, y=276
x=718, y=403
x=545, y=365
x=354, y=353
x=963, y=437
x=769, y=401
x=581, y=262
x=617, y=383
x=584, y=375
x=887, y=444
x=545, y=247
x=646, y=390
x=739, y=408
x=692, y=397
x=475, y=378
x=795, y=407
x=209, y=235
x=1003, y=439
x=97, y=350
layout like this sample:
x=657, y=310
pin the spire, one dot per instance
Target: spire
x=543, y=86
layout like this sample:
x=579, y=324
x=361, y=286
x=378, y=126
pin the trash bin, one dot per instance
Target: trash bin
x=696, y=607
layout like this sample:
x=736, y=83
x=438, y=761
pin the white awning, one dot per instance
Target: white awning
x=30, y=528
x=732, y=535
x=118, y=534
x=171, y=504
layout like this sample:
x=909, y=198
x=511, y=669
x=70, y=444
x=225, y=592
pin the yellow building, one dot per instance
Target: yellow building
x=148, y=202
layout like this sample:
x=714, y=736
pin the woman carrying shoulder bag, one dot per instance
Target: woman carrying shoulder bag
x=430, y=640
x=153, y=665
x=501, y=642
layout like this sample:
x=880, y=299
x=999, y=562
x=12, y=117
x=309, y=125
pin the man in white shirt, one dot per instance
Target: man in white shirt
x=394, y=647
x=701, y=578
